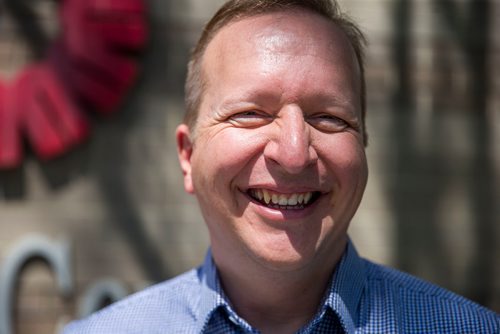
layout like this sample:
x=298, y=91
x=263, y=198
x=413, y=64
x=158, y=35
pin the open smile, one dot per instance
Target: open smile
x=280, y=201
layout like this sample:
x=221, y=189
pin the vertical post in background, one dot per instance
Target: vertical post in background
x=470, y=28
x=480, y=279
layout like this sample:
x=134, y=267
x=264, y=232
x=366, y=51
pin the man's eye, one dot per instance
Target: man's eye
x=249, y=118
x=328, y=123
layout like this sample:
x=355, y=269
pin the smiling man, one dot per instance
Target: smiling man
x=273, y=149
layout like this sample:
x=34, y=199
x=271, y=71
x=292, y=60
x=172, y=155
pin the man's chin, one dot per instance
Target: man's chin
x=283, y=260
x=286, y=254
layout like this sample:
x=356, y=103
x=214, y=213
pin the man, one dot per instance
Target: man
x=273, y=149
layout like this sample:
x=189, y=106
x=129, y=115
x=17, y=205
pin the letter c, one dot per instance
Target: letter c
x=55, y=254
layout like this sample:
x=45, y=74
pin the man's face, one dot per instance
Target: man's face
x=278, y=165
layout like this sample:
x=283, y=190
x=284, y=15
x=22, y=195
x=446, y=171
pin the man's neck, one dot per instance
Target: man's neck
x=276, y=301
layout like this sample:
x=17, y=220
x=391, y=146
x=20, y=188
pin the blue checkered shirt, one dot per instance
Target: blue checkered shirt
x=362, y=297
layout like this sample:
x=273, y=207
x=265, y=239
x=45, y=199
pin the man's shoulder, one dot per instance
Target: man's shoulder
x=419, y=304
x=168, y=305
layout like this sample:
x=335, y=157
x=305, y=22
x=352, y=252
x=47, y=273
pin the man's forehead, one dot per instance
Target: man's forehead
x=266, y=39
x=279, y=32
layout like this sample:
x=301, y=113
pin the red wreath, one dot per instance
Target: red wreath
x=90, y=64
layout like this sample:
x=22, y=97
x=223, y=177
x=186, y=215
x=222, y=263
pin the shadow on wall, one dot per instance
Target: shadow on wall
x=106, y=156
x=115, y=151
x=422, y=177
x=57, y=172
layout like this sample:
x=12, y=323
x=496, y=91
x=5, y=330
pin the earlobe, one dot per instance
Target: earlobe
x=184, y=152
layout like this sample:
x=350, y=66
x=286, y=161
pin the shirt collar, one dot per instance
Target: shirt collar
x=342, y=297
x=346, y=288
x=209, y=295
x=212, y=296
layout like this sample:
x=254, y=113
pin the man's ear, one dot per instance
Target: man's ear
x=184, y=151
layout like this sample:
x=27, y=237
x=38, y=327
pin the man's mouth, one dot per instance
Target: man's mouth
x=292, y=201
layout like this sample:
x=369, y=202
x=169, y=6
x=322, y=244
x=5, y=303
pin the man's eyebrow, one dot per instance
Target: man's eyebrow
x=250, y=97
x=331, y=100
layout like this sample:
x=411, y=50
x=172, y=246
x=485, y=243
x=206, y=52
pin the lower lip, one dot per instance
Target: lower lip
x=279, y=216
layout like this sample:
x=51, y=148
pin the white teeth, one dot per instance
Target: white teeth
x=275, y=199
x=282, y=199
x=259, y=195
x=267, y=197
x=300, y=198
x=307, y=197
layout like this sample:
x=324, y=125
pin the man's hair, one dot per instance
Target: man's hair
x=235, y=10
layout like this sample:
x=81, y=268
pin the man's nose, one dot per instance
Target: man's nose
x=290, y=147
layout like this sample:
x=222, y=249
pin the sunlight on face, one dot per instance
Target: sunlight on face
x=278, y=166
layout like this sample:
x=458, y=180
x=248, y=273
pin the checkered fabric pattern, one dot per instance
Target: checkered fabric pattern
x=363, y=297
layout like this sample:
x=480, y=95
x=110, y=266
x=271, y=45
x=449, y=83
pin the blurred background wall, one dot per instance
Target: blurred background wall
x=432, y=203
